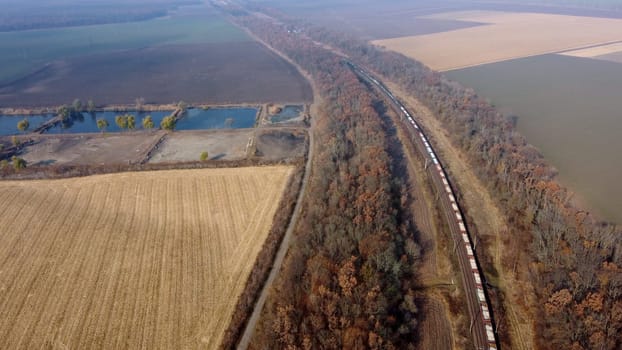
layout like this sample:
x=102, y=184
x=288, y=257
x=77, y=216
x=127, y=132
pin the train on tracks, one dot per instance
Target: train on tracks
x=473, y=271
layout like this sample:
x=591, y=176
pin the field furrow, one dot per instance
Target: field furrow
x=35, y=276
x=70, y=265
x=86, y=273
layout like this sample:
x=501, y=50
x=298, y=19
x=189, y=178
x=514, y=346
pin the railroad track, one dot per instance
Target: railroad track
x=481, y=324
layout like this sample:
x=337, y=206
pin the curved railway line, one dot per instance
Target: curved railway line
x=481, y=321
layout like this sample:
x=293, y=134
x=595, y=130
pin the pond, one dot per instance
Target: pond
x=8, y=123
x=195, y=119
x=287, y=113
x=217, y=118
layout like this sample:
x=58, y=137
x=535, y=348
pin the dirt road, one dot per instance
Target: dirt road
x=278, y=261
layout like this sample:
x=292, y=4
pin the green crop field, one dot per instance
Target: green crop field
x=27, y=51
x=569, y=108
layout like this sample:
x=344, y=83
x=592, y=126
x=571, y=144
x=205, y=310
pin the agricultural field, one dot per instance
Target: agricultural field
x=217, y=73
x=193, y=54
x=371, y=20
x=610, y=52
x=375, y=20
x=595, y=51
x=575, y=125
x=505, y=36
x=27, y=51
x=152, y=260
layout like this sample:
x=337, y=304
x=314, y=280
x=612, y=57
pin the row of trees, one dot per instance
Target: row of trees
x=69, y=113
x=573, y=261
x=128, y=121
x=349, y=278
x=124, y=121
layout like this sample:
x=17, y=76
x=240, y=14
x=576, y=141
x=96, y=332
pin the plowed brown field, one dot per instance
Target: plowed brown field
x=136, y=260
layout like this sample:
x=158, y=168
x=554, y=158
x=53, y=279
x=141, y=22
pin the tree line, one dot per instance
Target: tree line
x=68, y=114
x=349, y=279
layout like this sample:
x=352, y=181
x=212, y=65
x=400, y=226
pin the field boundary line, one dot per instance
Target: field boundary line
x=548, y=52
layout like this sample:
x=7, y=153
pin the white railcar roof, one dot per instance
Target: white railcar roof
x=485, y=313
x=480, y=295
x=472, y=262
x=469, y=250
x=490, y=335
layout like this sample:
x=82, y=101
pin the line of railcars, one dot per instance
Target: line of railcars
x=481, y=297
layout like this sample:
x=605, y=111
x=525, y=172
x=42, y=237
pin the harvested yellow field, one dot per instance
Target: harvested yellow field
x=504, y=36
x=147, y=260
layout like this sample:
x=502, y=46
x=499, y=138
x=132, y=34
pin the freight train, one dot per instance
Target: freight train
x=475, y=273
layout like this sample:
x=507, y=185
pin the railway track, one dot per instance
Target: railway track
x=481, y=322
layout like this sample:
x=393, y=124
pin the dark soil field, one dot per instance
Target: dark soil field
x=575, y=125
x=232, y=72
